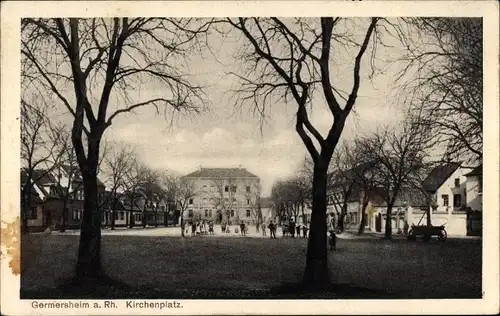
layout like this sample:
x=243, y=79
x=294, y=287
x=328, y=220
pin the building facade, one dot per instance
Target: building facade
x=224, y=194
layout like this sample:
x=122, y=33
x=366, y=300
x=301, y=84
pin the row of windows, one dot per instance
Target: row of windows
x=457, y=200
x=208, y=213
x=191, y=201
x=233, y=188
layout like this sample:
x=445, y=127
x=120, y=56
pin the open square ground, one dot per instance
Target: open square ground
x=212, y=267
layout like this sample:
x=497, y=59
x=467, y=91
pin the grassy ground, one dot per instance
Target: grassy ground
x=200, y=267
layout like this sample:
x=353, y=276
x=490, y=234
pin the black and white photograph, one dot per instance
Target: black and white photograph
x=158, y=153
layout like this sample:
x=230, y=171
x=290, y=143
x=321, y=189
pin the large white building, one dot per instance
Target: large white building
x=224, y=194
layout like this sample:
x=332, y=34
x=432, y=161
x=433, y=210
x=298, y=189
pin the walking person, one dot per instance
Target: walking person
x=263, y=228
x=333, y=241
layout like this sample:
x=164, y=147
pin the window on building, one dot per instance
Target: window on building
x=445, y=199
x=226, y=189
x=53, y=190
x=76, y=214
x=190, y=213
x=32, y=213
x=190, y=201
x=248, y=201
x=233, y=188
x=122, y=215
x=248, y=213
x=116, y=215
x=457, y=182
x=206, y=213
x=248, y=189
x=232, y=213
x=457, y=200
x=210, y=213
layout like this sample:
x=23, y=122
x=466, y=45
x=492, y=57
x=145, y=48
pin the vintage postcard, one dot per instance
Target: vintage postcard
x=251, y=157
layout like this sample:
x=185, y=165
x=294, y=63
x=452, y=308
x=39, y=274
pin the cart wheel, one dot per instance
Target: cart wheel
x=426, y=237
x=443, y=235
x=411, y=235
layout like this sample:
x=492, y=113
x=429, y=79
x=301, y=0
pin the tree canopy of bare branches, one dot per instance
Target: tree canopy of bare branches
x=289, y=61
x=94, y=67
x=399, y=157
x=42, y=148
x=443, y=75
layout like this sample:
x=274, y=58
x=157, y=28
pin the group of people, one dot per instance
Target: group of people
x=289, y=229
x=201, y=226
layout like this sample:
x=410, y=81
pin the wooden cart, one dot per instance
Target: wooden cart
x=426, y=232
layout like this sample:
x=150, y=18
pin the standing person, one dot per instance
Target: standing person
x=263, y=228
x=271, y=230
x=333, y=240
x=297, y=229
x=223, y=226
x=304, y=231
x=405, y=229
x=211, y=227
x=242, y=228
x=292, y=228
x=193, y=228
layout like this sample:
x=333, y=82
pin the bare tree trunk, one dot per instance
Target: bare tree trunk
x=183, y=225
x=361, y=229
x=113, y=218
x=388, y=221
x=316, y=272
x=132, y=219
x=62, y=229
x=343, y=214
x=89, y=252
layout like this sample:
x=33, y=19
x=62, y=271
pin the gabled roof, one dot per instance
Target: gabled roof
x=413, y=197
x=42, y=177
x=478, y=171
x=221, y=173
x=439, y=175
x=76, y=174
x=112, y=202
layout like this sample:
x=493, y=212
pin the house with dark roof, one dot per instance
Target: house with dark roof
x=56, y=188
x=449, y=188
x=223, y=194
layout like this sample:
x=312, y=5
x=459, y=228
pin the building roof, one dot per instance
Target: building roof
x=40, y=176
x=77, y=175
x=478, y=171
x=439, y=175
x=413, y=197
x=221, y=173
